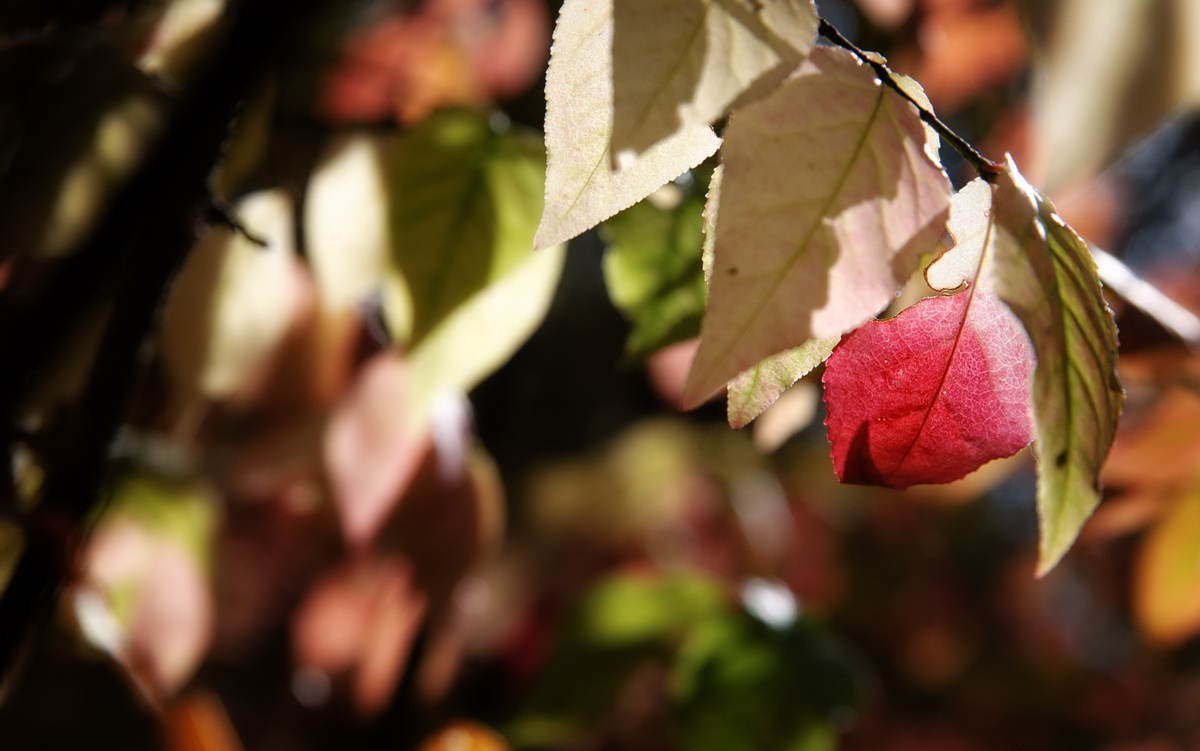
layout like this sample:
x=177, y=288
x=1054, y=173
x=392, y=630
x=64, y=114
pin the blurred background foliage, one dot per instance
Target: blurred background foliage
x=390, y=479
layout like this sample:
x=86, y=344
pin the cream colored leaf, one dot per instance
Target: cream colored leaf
x=346, y=220
x=1045, y=274
x=233, y=301
x=829, y=200
x=679, y=63
x=971, y=225
x=582, y=186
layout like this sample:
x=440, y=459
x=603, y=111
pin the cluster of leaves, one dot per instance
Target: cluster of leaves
x=829, y=194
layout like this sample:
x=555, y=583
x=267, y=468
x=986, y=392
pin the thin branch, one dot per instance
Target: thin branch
x=1147, y=298
x=221, y=212
x=986, y=168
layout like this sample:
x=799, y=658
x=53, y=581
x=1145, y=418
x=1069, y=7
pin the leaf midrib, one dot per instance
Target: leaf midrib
x=971, y=290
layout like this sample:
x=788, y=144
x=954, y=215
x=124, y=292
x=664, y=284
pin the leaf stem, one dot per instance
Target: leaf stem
x=986, y=168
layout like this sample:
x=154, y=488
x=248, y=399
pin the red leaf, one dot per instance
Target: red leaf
x=930, y=395
x=371, y=452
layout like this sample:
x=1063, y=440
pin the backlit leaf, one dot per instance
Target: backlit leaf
x=465, y=201
x=757, y=388
x=233, y=301
x=582, y=186
x=932, y=394
x=829, y=202
x=1046, y=275
x=373, y=448
x=753, y=390
x=484, y=332
x=680, y=63
x=1166, y=587
x=653, y=274
x=346, y=221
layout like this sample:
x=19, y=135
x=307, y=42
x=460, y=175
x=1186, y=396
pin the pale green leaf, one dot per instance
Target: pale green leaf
x=679, y=63
x=1046, y=275
x=829, y=200
x=583, y=188
x=753, y=390
x=711, y=205
x=465, y=202
x=653, y=273
x=484, y=332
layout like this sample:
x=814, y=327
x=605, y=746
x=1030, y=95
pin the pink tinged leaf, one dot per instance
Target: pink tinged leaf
x=372, y=452
x=361, y=619
x=829, y=198
x=930, y=395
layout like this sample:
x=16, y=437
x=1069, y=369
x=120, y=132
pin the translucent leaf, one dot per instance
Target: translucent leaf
x=465, y=202
x=582, y=186
x=484, y=332
x=146, y=597
x=930, y=395
x=231, y=305
x=679, y=63
x=757, y=388
x=1046, y=275
x=346, y=220
x=653, y=274
x=1166, y=584
x=372, y=450
x=829, y=200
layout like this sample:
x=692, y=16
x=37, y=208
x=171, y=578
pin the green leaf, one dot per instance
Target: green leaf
x=631, y=610
x=829, y=200
x=1046, y=275
x=653, y=273
x=178, y=510
x=739, y=685
x=753, y=390
x=465, y=202
x=583, y=187
x=679, y=63
x=484, y=332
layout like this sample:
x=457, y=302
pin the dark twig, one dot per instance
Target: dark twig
x=221, y=212
x=986, y=168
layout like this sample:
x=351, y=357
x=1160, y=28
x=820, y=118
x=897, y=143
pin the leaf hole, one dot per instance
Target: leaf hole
x=1061, y=460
